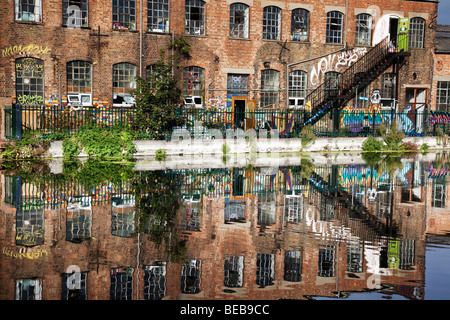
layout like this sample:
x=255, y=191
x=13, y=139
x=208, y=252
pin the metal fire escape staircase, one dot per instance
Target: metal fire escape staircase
x=334, y=93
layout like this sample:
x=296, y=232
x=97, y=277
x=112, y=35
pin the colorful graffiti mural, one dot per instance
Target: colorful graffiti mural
x=439, y=117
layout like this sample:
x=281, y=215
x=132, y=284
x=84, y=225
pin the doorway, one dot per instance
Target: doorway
x=393, y=30
x=239, y=113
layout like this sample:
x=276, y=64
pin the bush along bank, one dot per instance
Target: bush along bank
x=102, y=143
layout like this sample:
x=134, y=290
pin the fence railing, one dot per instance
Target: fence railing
x=199, y=123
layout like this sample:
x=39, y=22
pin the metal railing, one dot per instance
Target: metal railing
x=199, y=123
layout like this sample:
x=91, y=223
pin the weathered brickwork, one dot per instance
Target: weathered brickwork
x=215, y=51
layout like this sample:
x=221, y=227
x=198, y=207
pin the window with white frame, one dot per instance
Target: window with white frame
x=121, y=287
x=195, y=17
x=124, y=83
x=299, y=25
x=193, y=81
x=124, y=15
x=155, y=281
x=28, y=10
x=29, y=81
x=335, y=21
x=270, y=84
x=158, y=15
x=416, y=33
x=237, y=83
x=297, y=83
x=363, y=29
x=239, y=20
x=271, y=23
x=28, y=289
x=443, y=96
x=75, y=13
x=439, y=193
x=79, y=81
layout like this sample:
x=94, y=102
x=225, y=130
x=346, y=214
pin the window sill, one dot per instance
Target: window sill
x=271, y=40
x=196, y=35
x=165, y=33
x=235, y=38
x=298, y=41
x=84, y=28
x=29, y=22
x=125, y=30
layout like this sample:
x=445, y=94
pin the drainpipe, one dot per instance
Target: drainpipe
x=60, y=97
x=173, y=42
x=140, y=42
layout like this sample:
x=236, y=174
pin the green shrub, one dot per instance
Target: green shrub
x=161, y=155
x=372, y=144
x=307, y=135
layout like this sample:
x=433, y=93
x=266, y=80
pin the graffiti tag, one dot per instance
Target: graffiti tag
x=25, y=255
x=19, y=49
x=30, y=99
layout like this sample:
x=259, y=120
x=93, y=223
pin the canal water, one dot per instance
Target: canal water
x=92, y=230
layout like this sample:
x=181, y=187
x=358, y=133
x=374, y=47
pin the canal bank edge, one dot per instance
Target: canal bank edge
x=219, y=147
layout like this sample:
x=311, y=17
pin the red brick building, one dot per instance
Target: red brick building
x=256, y=50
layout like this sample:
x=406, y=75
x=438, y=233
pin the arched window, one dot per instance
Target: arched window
x=363, y=34
x=124, y=83
x=239, y=20
x=29, y=81
x=334, y=27
x=416, y=33
x=299, y=25
x=195, y=17
x=272, y=23
x=270, y=85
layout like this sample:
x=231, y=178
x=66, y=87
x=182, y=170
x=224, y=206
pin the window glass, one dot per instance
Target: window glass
x=158, y=15
x=239, y=20
x=299, y=25
x=416, y=32
x=271, y=23
x=269, y=85
x=75, y=13
x=334, y=27
x=363, y=29
x=124, y=15
x=28, y=10
x=29, y=81
x=195, y=17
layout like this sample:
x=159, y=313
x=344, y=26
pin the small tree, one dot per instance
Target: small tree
x=157, y=100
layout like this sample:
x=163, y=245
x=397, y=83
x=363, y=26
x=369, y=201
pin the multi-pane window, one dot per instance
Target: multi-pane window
x=28, y=10
x=74, y=286
x=363, y=29
x=28, y=289
x=332, y=79
x=299, y=25
x=265, y=269
x=388, y=86
x=293, y=266
x=124, y=14
x=272, y=23
x=297, y=84
x=121, y=287
x=155, y=281
x=158, y=15
x=193, y=81
x=191, y=272
x=124, y=82
x=75, y=13
x=439, y=193
x=78, y=224
x=326, y=261
x=30, y=81
x=443, y=96
x=239, y=20
x=79, y=77
x=233, y=271
x=270, y=87
x=195, y=17
x=416, y=32
x=334, y=27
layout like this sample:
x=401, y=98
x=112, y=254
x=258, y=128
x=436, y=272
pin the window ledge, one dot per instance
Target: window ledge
x=298, y=41
x=125, y=30
x=164, y=33
x=235, y=38
x=271, y=40
x=196, y=35
x=29, y=22
x=83, y=28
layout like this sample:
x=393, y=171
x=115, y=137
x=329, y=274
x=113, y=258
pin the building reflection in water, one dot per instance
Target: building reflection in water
x=242, y=233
